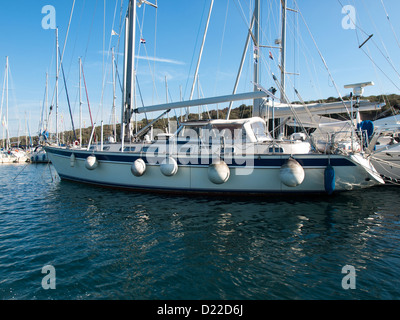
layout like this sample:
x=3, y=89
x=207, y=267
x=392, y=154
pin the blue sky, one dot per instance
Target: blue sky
x=173, y=35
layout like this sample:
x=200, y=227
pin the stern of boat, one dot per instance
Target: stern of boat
x=366, y=173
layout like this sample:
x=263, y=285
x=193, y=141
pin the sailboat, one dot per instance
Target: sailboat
x=8, y=154
x=212, y=156
x=39, y=155
x=385, y=148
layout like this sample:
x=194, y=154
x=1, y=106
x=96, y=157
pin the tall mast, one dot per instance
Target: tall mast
x=241, y=65
x=256, y=79
x=201, y=51
x=1, y=111
x=129, y=66
x=129, y=72
x=7, y=128
x=57, y=76
x=47, y=100
x=80, y=102
x=26, y=132
x=114, y=119
x=283, y=51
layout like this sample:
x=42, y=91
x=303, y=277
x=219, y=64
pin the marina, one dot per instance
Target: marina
x=113, y=191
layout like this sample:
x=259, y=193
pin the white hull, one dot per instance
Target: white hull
x=7, y=159
x=387, y=163
x=39, y=157
x=11, y=158
x=114, y=170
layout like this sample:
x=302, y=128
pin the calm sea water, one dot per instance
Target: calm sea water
x=106, y=244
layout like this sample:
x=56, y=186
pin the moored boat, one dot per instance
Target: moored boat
x=210, y=156
x=215, y=162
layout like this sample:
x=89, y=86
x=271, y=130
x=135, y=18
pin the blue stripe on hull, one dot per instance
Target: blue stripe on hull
x=276, y=161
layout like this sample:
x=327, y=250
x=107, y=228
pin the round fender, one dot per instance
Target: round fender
x=169, y=167
x=91, y=163
x=292, y=173
x=138, y=168
x=218, y=172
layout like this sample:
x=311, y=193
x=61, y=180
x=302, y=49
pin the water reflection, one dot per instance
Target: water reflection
x=121, y=245
x=285, y=248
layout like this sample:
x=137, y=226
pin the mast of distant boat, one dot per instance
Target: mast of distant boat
x=47, y=100
x=57, y=76
x=80, y=103
x=1, y=111
x=8, y=144
x=114, y=119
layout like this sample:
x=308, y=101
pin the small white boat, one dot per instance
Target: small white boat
x=20, y=155
x=13, y=156
x=385, y=148
x=39, y=155
x=7, y=157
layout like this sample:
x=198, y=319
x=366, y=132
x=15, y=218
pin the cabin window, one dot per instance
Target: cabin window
x=275, y=150
x=151, y=149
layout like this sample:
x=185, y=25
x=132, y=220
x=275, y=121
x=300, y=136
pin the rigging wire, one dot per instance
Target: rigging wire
x=220, y=53
x=121, y=25
x=2, y=119
x=369, y=56
x=12, y=89
x=297, y=118
x=69, y=104
x=377, y=47
x=66, y=36
x=243, y=16
x=384, y=96
x=390, y=22
x=323, y=59
x=90, y=32
x=195, y=45
x=87, y=98
x=106, y=67
x=62, y=56
x=147, y=55
x=2, y=96
x=155, y=45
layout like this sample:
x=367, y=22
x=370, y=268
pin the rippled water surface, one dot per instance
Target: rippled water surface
x=107, y=244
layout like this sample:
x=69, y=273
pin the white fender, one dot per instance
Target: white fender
x=218, y=172
x=169, y=167
x=91, y=163
x=138, y=168
x=292, y=173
